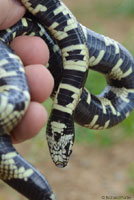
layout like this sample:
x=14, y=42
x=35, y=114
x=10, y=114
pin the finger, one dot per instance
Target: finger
x=32, y=50
x=40, y=82
x=10, y=12
x=31, y=123
x=36, y=115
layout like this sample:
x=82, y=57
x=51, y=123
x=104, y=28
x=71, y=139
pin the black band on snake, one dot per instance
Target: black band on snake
x=73, y=49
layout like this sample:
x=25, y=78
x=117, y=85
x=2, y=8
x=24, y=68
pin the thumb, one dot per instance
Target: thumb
x=11, y=11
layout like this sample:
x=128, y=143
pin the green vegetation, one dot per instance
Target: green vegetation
x=114, y=8
x=127, y=8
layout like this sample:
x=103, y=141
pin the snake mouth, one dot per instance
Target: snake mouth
x=61, y=165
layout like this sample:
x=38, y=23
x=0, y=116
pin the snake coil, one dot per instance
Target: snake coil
x=73, y=50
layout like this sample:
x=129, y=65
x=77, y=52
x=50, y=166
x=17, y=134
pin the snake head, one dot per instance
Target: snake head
x=60, y=140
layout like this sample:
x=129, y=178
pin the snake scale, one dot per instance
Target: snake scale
x=73, y=50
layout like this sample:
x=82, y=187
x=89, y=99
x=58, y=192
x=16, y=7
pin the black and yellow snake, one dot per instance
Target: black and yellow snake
x=73, y=50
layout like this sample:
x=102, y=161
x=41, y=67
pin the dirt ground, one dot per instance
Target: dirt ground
x=93, y=173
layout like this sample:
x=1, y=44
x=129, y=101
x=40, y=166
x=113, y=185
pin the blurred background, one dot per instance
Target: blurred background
x=102, y=162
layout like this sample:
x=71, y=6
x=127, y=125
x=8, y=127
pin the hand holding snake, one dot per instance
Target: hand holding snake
x=75, y=49
x=34, y=54
x=36, y=115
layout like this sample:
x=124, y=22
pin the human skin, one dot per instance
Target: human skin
x=35, y=54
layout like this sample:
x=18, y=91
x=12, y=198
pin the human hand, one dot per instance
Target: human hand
x=34, y=53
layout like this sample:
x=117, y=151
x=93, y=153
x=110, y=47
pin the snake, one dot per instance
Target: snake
x=74, y=49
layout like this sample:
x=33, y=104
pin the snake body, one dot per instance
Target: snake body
x=117, y=100
x=73, y=50
x=63, y=26
x=115, y=103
